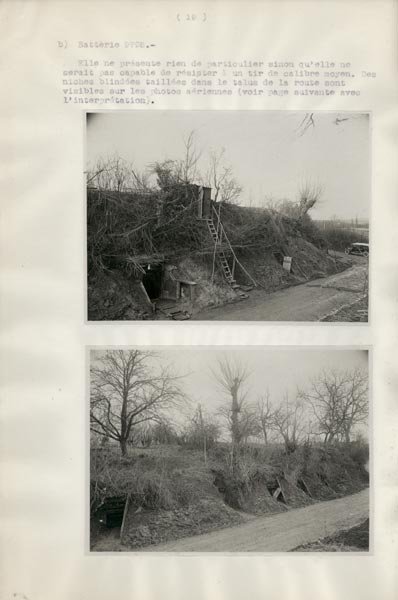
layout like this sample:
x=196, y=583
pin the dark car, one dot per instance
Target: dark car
x=358, y=248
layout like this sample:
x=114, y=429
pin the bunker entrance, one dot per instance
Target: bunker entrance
x=111, y=513
x=152, y=280
x=276, y=492
x=302, y=485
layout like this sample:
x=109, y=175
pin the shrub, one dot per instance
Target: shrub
x=338, y=238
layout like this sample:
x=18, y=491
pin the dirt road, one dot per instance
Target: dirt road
x=279, y=533
x=310, y=301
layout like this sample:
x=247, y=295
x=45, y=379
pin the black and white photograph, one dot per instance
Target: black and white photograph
x=229, y=449
x=228, y=216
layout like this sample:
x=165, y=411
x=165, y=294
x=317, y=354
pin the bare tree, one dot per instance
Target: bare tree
x=310, y=195
x=109, y=174
x=265, y=412
x=219, y=177
x=339, y=401
x=187, y=167
x=184, y=171
x=248, y=422
x=128, y=389
x=201, y=431
x=288, y=420
x=118, y=175
x=163, y=431
x=232, y=376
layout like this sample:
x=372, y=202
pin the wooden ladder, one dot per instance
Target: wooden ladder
x=218, y=234
x=226, y=269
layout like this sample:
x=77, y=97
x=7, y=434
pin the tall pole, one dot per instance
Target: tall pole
x=202, y=427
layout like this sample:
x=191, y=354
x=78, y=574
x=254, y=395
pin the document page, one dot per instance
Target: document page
x=199, y=299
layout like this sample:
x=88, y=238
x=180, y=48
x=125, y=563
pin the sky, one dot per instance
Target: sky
x=269, y=154
x=278, y=369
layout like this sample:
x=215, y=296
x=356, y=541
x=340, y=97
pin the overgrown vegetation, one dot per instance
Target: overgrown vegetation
x=133, y=218
x=339, y=235
x=169, y=483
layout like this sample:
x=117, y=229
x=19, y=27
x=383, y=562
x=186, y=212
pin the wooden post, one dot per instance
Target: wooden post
x=200, y=202
x=125, y=512
x=203, y=433
x=147, y=298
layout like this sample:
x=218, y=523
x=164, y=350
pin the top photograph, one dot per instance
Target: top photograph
x=228, y=216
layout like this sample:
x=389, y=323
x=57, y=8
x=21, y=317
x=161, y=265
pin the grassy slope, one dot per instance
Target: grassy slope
x=260, y=239
x=175, y=494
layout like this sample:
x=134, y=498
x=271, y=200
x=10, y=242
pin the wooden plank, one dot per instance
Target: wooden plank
x=125, y=513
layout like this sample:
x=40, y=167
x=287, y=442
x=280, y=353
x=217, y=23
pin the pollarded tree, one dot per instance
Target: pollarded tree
x=248, y=422
x=128, y=388
x=232, y=376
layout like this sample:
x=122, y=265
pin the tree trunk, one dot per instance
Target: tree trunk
x=329, y=438
x=123, y=425
x=265, y=437
x=235, y=432
x=123, y=447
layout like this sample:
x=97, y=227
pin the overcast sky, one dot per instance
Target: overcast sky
x=274, y=368
x=268, y=152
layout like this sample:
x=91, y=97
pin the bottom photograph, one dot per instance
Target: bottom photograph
x=229, y=449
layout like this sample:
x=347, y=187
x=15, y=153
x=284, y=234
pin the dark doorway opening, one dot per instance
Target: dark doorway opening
x=152, y=281
x=302, y=485
x=111, y=513
x=278, y=257
x=276, y=492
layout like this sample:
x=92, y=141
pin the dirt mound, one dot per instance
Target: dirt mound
x=357, y=537
x=124, y=230
x=308, y=262
x=153, y=527
x=293, y=495
x=263, y=491
x=112, y=296
x=172, y=493
x=208, y=292
x=317, y=488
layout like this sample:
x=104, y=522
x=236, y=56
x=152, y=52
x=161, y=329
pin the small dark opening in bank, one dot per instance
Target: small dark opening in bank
x=152, y=280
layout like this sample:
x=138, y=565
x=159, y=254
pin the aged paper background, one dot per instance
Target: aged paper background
x=44, y=428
